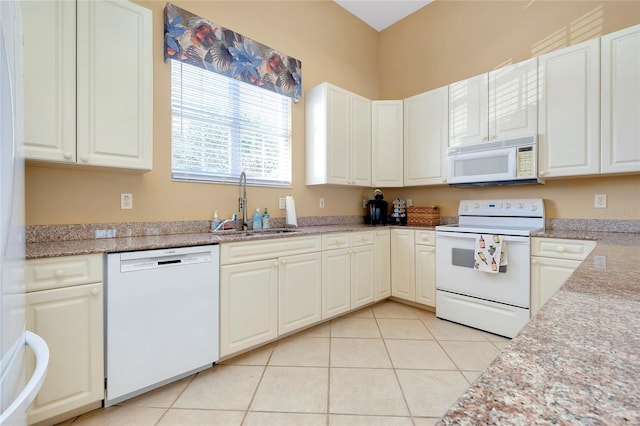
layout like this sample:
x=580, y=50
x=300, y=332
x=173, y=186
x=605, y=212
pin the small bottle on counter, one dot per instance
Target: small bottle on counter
x=215, y=222
x=265, y=219
x=257, y=219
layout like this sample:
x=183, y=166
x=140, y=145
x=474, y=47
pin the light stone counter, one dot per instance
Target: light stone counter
x=578, y=360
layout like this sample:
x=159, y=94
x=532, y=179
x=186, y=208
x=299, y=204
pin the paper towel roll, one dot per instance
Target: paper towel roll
x=290, y=206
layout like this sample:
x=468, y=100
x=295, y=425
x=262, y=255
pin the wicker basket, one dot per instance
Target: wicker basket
x=423, y=216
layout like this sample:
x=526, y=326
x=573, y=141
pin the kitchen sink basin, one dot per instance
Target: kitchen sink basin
x=258, y=232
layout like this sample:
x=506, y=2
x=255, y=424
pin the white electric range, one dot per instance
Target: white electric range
x=496, y=301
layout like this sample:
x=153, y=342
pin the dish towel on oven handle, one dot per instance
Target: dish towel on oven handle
x=490, y=253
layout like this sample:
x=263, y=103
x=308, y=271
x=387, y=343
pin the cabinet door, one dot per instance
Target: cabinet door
x=299, y=291
x=426, y=137
x=114, y=84
x=621, y=101
x=547, y=276
x=382, y=264
x=336, y=282
x=569, y=111
x=50, y=80
x=513, y=100
x=403, y=271
x=70, y=320
x=248, y=305
x=362, y=275
x=426, y=275
x=360, y=141
x=338, y=135
x=468, y=110
x=386, y=144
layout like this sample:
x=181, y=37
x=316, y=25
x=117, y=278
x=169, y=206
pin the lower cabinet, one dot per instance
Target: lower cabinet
x=413, y=265
x=553, y=261
x=382, y=264
x=336, y=282
x=64, y=306
x=299, y=291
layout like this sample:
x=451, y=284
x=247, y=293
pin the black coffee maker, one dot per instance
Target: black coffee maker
x=378, y=210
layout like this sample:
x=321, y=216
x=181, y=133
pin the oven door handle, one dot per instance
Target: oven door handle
x=468, y=236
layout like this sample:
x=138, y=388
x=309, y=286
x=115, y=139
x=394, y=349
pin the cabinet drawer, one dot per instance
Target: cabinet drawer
x=363, y=238
x=426, y=238
x=67, y=271
x=561, y=248
x=250, y=251
x=335, y=241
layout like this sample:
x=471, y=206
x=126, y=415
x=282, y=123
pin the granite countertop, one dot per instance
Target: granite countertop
x=37, y=250
x=578, y=360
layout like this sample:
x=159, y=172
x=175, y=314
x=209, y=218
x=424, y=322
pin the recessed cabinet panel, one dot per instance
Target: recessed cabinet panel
x=403, y=273
x=299, y=292
x=336, y=282
x=387, y=144
x=569, y=111
x=468, y=110
x=621, y=101
x=382, y=264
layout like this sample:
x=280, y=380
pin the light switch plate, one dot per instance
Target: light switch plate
x=600, y=201
x=282, y=204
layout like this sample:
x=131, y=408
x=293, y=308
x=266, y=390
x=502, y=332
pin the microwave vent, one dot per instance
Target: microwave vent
x=485, y=146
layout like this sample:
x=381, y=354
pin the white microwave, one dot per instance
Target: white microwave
x=504, y=162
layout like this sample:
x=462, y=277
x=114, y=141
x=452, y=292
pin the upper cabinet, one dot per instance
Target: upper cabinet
x=426, y=136
x=337, y=137
x=386, y=143
x=498, y=105
x=621, y=101
x=569, y=111
x=93, y=102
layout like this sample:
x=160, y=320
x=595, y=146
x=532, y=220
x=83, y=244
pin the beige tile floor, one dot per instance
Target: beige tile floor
x=388, y=364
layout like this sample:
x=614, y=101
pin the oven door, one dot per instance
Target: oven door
x=455, y=273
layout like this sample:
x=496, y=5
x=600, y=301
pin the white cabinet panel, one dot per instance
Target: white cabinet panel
x=299, y=291
x=387, y=144
x=362, y=275
x=70, y=320
x=469, y=110
x=426, y=137
x=403, y=272
x=569, y=111
x=426, y=275
x=621, y=101
x=336, y=282
x=547, y=276
x=382, y=264
x=248, y=305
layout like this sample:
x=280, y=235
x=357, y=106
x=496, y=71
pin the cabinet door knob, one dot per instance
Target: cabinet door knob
x=283, y=262
x=84, y=159
x=95, y=292
x=275, y=263
x=59, y=273
x=534, y=261
x=67, y=156
x=560, y=249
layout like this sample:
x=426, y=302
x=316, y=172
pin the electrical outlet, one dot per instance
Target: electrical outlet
x=322, y=203
x=409, y=202
x=126, y=201
x=600, y=201
x=364, y=204
x=282, y=204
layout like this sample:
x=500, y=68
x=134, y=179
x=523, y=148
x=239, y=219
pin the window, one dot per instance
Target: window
x=221, y=127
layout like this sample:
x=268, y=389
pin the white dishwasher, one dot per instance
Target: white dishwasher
x=161, y=317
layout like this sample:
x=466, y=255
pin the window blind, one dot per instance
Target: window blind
x=221, y=127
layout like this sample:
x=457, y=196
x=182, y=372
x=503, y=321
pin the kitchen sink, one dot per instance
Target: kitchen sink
x=258, y=232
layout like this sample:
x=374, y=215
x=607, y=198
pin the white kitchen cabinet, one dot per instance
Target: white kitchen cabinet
x=426, y=137
x=336, y=282
x=248, y=305
x=95, y=107
x=425, y=267
x=403, y=271
x=569, y=111
x=620, y=95
x=501, y=104
x=64, y=305
x=267, y=288
x=362, y=268
x=337, y=137
x=382, y=253
x=387, y=143
x=553, y=260
x=299, y=291
x=348, y=274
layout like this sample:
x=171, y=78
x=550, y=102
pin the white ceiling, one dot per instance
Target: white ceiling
x=379, y=14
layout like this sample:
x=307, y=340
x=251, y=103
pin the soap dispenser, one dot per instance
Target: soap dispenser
x=265, y=219
x=215, y=222
x=257, y=219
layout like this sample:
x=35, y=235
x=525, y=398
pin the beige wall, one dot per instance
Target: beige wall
x=442, y=43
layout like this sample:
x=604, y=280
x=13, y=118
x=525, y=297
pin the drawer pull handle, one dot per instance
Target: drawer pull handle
x=59, y=273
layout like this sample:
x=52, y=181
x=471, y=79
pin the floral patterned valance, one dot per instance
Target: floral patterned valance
x=197, y=41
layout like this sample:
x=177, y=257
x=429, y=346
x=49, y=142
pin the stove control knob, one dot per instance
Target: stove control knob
x=465, y=207
x=533, y=207
x=508, y=205
x=476, y=206
x=520, y=205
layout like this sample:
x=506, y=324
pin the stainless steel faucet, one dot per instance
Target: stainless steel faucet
x=242, y=199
